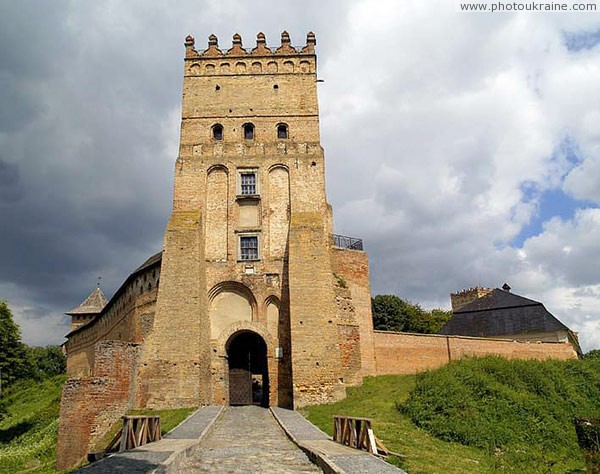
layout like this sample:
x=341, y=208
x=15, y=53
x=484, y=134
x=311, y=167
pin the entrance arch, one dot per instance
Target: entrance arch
x=248, y=369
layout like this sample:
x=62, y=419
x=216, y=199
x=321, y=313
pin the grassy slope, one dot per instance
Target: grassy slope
x=522, y=411
x=376, y=399
x=28, y=432
x=511, y=417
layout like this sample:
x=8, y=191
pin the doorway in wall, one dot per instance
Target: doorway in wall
x=248, y=369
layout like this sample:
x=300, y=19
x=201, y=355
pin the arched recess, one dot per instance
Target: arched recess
x=279, y=208
x=230, y=303
x=273, y=305
x=217, y=189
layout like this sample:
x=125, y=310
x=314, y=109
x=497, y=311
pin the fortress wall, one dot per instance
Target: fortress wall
x=352, y=267
x=403, y=353
x=175, y=370
x=316, y=363
x=91, y=405
x=127, y=317
x=350, y=346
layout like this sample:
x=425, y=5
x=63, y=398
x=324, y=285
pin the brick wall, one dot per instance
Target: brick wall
x=352, y=266
x=90, y=406
x=127, y=317
x=403, y=353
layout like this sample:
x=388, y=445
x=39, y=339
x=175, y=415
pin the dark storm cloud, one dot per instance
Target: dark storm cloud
x=84, y=174
x=429, y=120
x=89, y=119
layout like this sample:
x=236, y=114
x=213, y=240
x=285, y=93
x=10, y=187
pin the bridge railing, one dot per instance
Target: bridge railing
x=358, y=433
x=137, y=430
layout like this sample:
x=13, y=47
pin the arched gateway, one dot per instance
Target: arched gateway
x=248, y=369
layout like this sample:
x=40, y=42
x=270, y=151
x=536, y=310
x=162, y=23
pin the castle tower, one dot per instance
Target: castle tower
x=246, y=305
x=88, y=309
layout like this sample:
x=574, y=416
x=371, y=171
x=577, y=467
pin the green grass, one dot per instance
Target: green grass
x=29, y=429
x=522, y=411
x=485, y=415
x=377, y=399
x=28, y=432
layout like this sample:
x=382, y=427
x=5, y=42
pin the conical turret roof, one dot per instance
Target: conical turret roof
x=93, y=304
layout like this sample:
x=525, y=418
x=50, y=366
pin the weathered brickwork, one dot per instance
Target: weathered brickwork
x=351, y=268
x=404, y=353
x=249, y=301
x=91, y=405
x=127, y=317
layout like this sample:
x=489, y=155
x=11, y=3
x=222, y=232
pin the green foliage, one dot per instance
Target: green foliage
x=391, y=313
x=15, y=359
x=340, y=281
x=593, y=354
x=28, y=432
x=522, y=411
x=376, y=399
x=48, y=361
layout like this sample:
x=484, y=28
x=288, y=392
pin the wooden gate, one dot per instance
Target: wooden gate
x=240, y=387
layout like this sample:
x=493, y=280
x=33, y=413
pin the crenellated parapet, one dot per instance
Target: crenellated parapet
x=262, y=59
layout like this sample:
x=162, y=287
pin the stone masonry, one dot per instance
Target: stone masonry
x=249, y=302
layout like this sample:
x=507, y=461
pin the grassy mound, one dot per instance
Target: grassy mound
x=521, y=412
x=425, y=454
x=28, y=431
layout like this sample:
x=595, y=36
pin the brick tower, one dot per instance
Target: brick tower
x=246, y=297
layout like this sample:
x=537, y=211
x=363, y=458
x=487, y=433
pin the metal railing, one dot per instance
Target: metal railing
x=344, y=242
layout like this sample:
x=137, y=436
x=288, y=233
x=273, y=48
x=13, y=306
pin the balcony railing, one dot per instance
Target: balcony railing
x=343, y=242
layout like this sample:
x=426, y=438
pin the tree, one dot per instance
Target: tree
x=49, y=361
x=593, y=354
x=391, y=313
x=15, y=360
x=388, y=313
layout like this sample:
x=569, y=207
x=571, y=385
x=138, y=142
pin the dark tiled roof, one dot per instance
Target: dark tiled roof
x=91, y=305
x=157, y=257
x=501, y=313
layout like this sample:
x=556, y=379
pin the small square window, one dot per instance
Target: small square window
x=249, y=247
x=248, y=182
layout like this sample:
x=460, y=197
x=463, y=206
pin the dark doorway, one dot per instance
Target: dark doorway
x=248, y=370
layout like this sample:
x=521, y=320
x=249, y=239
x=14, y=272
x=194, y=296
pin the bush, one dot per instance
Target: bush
x=518, y=409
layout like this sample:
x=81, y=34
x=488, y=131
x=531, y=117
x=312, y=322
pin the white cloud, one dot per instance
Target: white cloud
x=433, y=122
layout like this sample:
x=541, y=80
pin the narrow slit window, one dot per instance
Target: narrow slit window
x=282, y=131
x=248, y=131
x=249, y=248
x=217, y=131
x=248, y=184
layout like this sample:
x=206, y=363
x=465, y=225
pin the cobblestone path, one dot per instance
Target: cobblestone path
x=247, y=440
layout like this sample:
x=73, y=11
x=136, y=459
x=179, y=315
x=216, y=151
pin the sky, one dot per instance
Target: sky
x=464, y=148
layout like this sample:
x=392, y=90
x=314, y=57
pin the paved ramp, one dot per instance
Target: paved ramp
x=246, y=440
x=243, y=440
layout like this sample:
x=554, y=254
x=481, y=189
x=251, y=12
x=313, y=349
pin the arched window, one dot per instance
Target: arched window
x=248, y=131
x=217, y=131
x=282, y=130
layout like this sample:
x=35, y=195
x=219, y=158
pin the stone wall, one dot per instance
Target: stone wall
x=351, y=269
x=128, y=316
x=91, y=405
x=404, y=353
x=316, y=361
